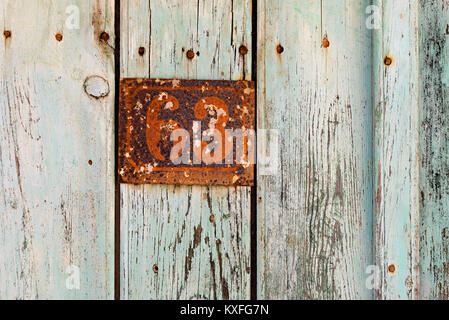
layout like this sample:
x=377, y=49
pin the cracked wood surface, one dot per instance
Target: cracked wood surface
x=182, y=242
x=396, y=150
x=346, y=120
x=315, y=214
x=434, y=159
x=56, y=152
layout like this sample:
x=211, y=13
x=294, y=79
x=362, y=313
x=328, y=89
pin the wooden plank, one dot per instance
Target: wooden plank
x=56, y=150
x=434, y=146
x=180, y=242
x=396, y=103
x=314, y=215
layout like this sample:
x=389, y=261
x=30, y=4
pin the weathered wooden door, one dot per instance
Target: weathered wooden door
x=352, y=194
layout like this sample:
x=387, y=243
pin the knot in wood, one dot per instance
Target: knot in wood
x=96, y=87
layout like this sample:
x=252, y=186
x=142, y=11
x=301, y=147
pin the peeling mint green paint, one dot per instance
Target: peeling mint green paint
x=56, y=210
x=315, y=215
x=396, y=150
x=434, y=158
x=199, y=237
x=363, y=172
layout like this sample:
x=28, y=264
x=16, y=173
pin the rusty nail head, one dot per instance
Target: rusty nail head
x=155, y=268
x=7, y=33
x=388, y=60
x=190, y=54
x=212, y=218
x=104, y=36
x=326, y=42
x=391, y=268
x=90, y=162
x=243, y=50
x=58, y=37
x=141, y=51
x=279, y=49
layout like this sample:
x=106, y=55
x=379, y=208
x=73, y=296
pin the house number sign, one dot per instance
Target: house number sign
x=189, y=132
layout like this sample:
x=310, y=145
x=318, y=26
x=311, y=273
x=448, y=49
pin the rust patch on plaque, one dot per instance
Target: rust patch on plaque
x=187, y=132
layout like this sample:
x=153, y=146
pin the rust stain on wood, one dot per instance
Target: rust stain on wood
x=190, y=132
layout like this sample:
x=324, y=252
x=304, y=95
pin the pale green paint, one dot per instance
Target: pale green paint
x=56, y=210
x=315, y=215
x=396, y=150
x=315, y=218
x=170, y=225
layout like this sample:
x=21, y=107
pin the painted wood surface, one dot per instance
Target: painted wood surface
x=362, y=181
x=180, y=242
x=315, y=214
x=434, y=146
x=56, y=150
x=396, y=149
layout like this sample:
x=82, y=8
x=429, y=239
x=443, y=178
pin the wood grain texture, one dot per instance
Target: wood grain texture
x=396, y=149
x=180, y=242
x=346, y=122
x=56, y=207
x=434, y=146
x=315, y=214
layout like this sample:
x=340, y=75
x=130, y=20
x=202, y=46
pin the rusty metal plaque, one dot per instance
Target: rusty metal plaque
x=186, y=132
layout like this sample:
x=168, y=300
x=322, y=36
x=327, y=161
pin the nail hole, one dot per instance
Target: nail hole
x=391, y=268
x=155, y=268
x=90, y=162
x=325, y=42
x=388, y=60
x=141, y=51
x=212, y=218
x=190, y=54
x=104, y=36
x=7, y=34
x=279, y=49
x=58, y=37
